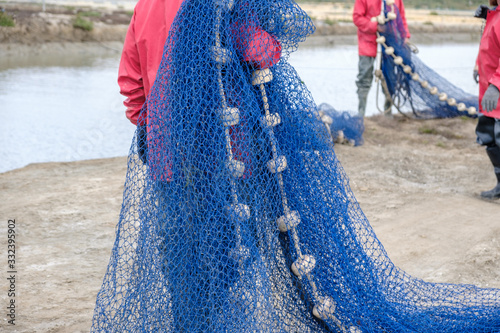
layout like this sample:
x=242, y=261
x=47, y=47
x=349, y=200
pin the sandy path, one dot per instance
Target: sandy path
x=419, y=191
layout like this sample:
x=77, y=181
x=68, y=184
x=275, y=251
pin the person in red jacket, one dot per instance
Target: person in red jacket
x=363, y=12
x=141, y=57
x=488, y=67
x=143, y=51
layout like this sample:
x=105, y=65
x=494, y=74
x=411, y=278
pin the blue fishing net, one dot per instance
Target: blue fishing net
x=414, y=87
x=238, y=217
x=343, y=126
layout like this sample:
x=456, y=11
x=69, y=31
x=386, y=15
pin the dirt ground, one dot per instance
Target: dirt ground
x=417, y=182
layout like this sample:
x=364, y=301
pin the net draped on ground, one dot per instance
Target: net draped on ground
x=242, y=219
x=343, y=126
x=413, y=86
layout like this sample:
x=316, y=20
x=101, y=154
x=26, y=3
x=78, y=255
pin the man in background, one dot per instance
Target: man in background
x=364, y=10
x=488, y=70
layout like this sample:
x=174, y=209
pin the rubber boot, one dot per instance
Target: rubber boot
x=388, y=108
x=362, y=99
x=494, y=155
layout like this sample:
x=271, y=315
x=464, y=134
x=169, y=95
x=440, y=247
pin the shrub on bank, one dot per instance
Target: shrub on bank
x=6, y=20
x=81, y=23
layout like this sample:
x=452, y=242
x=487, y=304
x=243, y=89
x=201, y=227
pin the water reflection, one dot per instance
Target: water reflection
x=330, y=73
x=69, y=108
x=71, y=111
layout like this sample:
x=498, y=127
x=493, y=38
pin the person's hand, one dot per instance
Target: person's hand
x=481, y=11
x=490, y=98
x=142, y=143
x=475, y=75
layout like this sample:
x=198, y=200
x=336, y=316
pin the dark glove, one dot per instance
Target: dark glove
x=142, y=143
x=481, y=11
x=475, y=75
x=490, y=98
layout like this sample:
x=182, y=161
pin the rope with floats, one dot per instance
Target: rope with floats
x=398, y=60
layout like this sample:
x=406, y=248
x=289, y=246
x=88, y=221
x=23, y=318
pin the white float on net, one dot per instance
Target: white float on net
x=380, y=39
x=230, y=116
x=327, y=119
x=288, y=221
x=221, y=54
x=391, y=16
x=451, y=101
x=261, y=76
x=325, y=308
x=277, y=165
x=461, y=107
x=271, y=120
x=237, y=168
x=303, y=265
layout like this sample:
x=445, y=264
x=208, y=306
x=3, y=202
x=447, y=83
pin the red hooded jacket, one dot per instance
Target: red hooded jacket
x=143, y=51
x=145, y=40
x=488, y=59
x=364, y=10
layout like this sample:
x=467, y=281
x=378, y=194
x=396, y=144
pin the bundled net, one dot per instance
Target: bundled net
x=343, y=126
x=237, y=215
x=413, y=86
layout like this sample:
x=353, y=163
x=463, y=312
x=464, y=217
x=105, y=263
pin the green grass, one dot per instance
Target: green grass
x=6, y=20
x=81, y=23
x=427, y=130
x=329, y=21
x=90, y=14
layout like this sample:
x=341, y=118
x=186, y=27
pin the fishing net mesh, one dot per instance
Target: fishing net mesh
x=237, y=215
x=414, y=87
x=343, y=126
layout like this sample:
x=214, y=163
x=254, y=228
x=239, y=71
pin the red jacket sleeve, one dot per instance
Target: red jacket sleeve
x=256, y=46
x=495, y=78
x=361, y=18
x=130, y=77
x=403, y=18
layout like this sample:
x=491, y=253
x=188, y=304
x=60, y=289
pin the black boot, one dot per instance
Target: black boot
x=494, y=155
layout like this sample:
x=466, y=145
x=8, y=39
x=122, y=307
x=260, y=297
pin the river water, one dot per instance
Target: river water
x=70, y=109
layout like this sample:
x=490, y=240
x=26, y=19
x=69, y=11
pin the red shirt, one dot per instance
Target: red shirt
x=488, y=59
x=364, y=10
